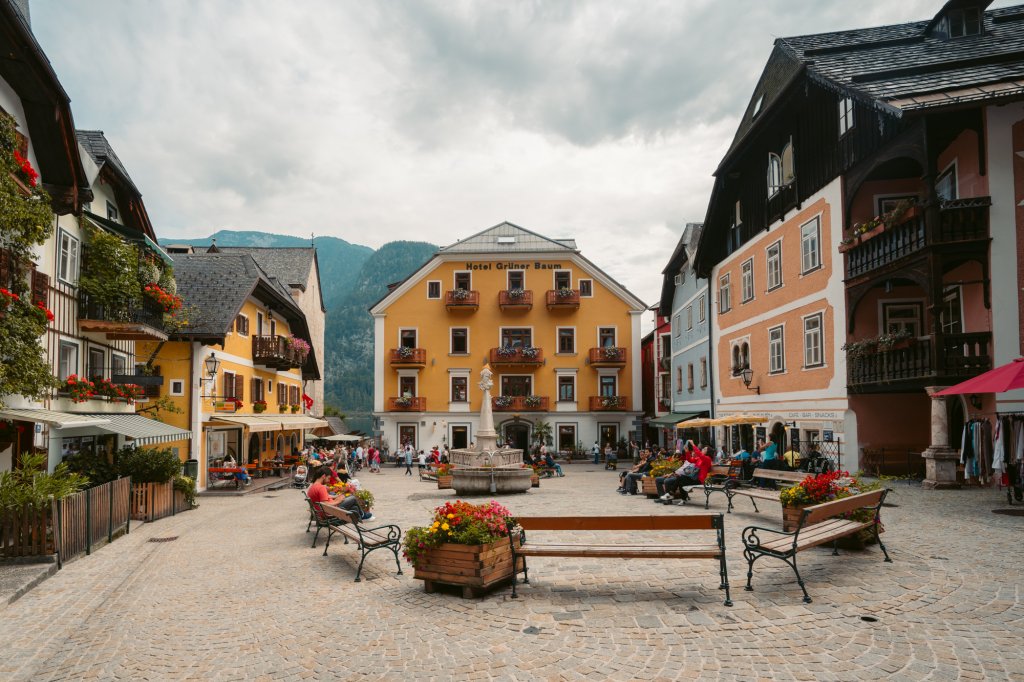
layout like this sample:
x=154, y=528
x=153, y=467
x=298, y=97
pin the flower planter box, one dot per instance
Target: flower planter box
x=535, y=480
x=648, y=487
x=444, y=482
x=791, y=518
x=843, y=248
x=474, y=568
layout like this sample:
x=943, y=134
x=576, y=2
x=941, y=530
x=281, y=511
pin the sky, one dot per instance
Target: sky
x=430, y=120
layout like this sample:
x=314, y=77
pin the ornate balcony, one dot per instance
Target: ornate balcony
x=609, y=403
x=126, y=320
x=272, y=351
x=959, y=222
x=524, y=358
x=408, y=357
x=518, y=403
x=461, y=300
x=959, y=357
x=508, y=301
x=563, y=299
x=608, y=356
x=416, y=404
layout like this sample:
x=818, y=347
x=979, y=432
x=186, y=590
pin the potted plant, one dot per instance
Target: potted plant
x=825, y=487
x=565, y=292
x=610, y=401
x=403, y=401
x=78, y=389
x=529, y=352
x=295, y=408
x=444, y=476
x=282, y=407
x=460, y=294
x=405, y=352
x=259, y=406
x=532, y=401
x=466, y=545
x=506, y=351
x=516, y=293
x=611, y=352
x=503, y=401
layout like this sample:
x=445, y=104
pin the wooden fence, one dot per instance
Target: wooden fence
x=152, y=501
x=87, y=518
x=25, y=531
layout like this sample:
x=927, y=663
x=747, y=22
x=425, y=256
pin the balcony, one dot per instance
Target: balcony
x=608, y=356
x=522, y=300
x=563, y=299
x=519, y=403
x=417, y=404
x=960, y=356
x=408, y=357
x=523, y=358
x=275, y=352
x=461, y=300
x=609, y=403
x=960, y=221
x=127, y=320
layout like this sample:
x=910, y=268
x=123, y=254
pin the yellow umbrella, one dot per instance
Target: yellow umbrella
x=694, y=423
x=736, y=419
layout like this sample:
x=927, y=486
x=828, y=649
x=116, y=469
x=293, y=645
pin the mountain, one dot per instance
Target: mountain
x=352, y=278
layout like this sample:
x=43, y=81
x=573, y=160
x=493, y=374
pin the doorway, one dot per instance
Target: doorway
x=779, y=436
x=254, y=448
x=609, y=434
x=407, y=435
x=517, y=435
x=460, y=437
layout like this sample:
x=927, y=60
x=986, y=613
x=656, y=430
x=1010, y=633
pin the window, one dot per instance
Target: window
x=434, y=289
x=689, y=317
x=586, y=288
x=96, y=360
x=810, y=246
x=460, y=340
x=566, y=389
x=566, y=436
x=964, y=22
x=724, y=296
x=259, y=324
x=566, y=340
x=666, y=346
x=737, y=360
x=773, y=266
x=952, y=315
x=845, y=115
x=735, y=236
x=774, y=174
x=67, y=363
x=112, y=212
x=67, y=259
x=689, y=377
x=788, y=167
x=606, y=386
x=898, y=317
x=678, y=279
x=703, y=372
x=747, y=280
x=242, y=325
x=679, y=379
x=257, y=392
x=563, y=279
x=460, y=389
x=228, y=390
x=516, y=279
x=463, y=280
x=273, y=326
x=118, y=364
x=407, y=338
x=517, y=337
x=677, y=325
x=776, y=351
x=516, y=385
x=406, y=387
x=606, y=337
x=813, y=356
x=945, y=185
x=701, y=314
x=177, y=387
x=757, y=106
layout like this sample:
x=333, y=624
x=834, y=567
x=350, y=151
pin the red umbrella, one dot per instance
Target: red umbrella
x=998, y=380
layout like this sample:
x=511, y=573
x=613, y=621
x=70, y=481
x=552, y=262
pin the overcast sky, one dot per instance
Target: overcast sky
x=377, y=121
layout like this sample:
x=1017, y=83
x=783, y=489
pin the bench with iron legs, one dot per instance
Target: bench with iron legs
x=819, y=525
x=348, y=525
x=721, y=479
x=632, y=548
x=746, y=488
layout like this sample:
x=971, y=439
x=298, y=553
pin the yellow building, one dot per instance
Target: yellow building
x=238, y=370
x=562, y=337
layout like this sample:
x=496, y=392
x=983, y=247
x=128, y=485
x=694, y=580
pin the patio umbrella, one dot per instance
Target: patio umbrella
x=694, y=423
x=998, y=380
x=737, y=419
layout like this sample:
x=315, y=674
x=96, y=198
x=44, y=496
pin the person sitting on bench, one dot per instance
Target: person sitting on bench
x=243, y=476
x=550, y=462
x=629, y=479
x=693, y=472
x=318, y=493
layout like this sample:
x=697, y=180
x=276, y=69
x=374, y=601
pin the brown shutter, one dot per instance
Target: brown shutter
x=245, y=325
x=238, y=324
x=255, y=388
x=240, y=387
x=229, y=385
x=40, y=287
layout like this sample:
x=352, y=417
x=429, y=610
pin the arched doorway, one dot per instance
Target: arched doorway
x=778, y=433
x=254, y=447
x=281, y=445
x=517, y=435
x=955, y=417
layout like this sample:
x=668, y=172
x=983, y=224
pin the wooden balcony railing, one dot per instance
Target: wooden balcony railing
x=139, y=320
x=608, y=403
x=568, y=299
x=959, y=356
x=466, y=300
x=408, y=357
x=518, y=403
x=524, y=301
x=533, y=357
x=960, y=220
x=607, y=356
x=272, y=351
x=416, y=404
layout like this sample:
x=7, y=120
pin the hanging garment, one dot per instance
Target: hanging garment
x=998, y=449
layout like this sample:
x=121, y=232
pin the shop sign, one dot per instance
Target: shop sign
x=512, y=265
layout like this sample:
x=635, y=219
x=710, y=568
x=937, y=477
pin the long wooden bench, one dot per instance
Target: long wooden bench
x=632, y=548
x=348, y=525
x=749, y=490
x=721, y=479
x=819, y=525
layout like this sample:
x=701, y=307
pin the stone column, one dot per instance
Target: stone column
x=940, y=459
x=486, y=437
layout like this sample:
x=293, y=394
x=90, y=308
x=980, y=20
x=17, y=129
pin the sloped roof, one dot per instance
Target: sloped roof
x=524, y=241
x=95, y=143
x=684, y=252
x=290, y=264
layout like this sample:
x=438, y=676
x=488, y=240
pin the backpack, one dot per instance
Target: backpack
x=690, y=470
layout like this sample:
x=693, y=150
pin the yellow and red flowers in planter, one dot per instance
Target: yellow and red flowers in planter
x=460, y=523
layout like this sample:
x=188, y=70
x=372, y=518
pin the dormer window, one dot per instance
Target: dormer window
x=964, y=22
x=112, y=213
x=774, y=174
x=757, y=107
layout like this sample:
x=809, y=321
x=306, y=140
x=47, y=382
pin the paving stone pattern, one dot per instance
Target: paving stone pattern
x=241, y=595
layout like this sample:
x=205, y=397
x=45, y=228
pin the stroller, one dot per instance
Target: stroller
x=299, y=478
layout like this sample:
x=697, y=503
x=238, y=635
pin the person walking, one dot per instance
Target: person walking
x=596, y=451
x=408, y=459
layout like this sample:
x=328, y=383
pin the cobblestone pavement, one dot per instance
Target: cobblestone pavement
x=241, y=595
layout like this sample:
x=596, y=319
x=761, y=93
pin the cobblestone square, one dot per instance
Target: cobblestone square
x=241, y=595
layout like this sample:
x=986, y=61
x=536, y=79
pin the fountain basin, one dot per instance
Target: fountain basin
x=477, y=480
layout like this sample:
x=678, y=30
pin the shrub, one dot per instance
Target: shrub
x=148, y=465
x=187, y=486
x=32, y=484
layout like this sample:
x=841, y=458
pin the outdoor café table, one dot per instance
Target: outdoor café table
x=220, y=471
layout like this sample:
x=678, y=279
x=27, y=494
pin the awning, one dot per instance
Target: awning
x=737, y=419
x=343, y=438
x=142, y=430
x=129, y=235
x=58, y=420
x=300, y=421
x=254, y=424
x=698, y=423
x=673, y=418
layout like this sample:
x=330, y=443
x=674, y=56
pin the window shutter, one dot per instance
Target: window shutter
x=293, y=395
x=238, y=324
x=240, y=387
x=245, y=326
x=280, y=393
x=255, y=385
x=40, y=287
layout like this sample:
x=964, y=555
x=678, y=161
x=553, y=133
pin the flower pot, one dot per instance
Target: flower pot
x=444, y=482
x=648, y=487
x=474, y=568
x=535, y=480
x=791, y=517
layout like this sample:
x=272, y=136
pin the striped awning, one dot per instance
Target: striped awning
x=141, y=429
x=300, y=421
x=253, y=423
x=58, y=420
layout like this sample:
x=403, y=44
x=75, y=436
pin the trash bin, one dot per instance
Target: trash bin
x=190, y=468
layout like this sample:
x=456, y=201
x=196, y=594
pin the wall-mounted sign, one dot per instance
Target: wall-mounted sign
x=827, y=436
x=511, y=265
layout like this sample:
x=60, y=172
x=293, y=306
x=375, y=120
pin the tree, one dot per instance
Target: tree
x=542, y=432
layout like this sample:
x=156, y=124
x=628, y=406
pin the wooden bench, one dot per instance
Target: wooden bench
x=747, y=489
x=222, y=477
x=819, y=525
x=721, y=479
x=631, y=548
x=348, y=525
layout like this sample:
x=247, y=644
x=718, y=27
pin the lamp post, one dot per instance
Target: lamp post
x=748, y=374
x=211, y=365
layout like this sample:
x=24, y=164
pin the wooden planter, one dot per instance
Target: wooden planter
x=444, y=482
x=791, y=518
x=648, y=487
x=535, y=480
x=860, y=540
x=474, y=568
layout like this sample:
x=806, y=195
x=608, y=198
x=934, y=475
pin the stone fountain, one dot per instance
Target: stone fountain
x=484, y=468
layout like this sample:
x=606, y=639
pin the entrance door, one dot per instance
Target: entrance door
x=254, y=447
x=407, y=434
x=460, y=437
x=518, y=436
x=609, y=434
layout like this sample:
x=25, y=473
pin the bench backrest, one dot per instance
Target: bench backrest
x=336, y=512
x=694, y=522
x=827, y=510
x=787, y=476
x=722, y=470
